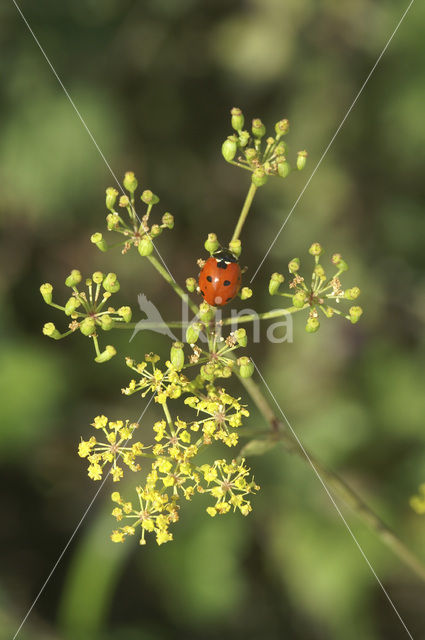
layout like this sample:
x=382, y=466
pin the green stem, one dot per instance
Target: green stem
x=280, y=434
x=158, y=266
x=244, y=213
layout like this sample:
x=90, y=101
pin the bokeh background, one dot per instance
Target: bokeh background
x=155, y=80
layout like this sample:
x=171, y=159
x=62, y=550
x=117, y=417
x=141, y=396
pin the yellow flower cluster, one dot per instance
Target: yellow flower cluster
x=230, y=485
x=164, y=384
x=223, y=411
x=114, y=450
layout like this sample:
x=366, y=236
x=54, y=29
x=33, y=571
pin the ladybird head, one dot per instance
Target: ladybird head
x=224, y=255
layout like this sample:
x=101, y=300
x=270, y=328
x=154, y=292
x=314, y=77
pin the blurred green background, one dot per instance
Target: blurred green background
x=155, y=80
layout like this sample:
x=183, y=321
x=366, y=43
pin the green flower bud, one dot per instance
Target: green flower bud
x=111, y=198
x=320, y=272
x=192, y=332
x=191, y=284
x=73, y=279
x=112, y=221
x=97, y=277
x=88, y=326
x=211, y=244
x=111, y=283
x=72, y=305
x=106, y=322
x=206, y=313
x=251, y=154
x=155, y=230
x=352, y=294
x=236, y=247
x=275, y=282
x=177, y=355
x=301, y=159
x=226, y=372
x=207, y=371
x=258, y=128
x=130, y=182
x=281, y=149
x=229, y=148
x=298, y=300
x=312, y=325
x=294, y=265
x=283, y=169
x=145, y=246
x=168, y=220
x=50, y=331
x=99, y=241
x=355, y=313
x=125, y=313
x=238, y=119
x=339, y=262
x=281, y=127
x=46, y=291
x=148, y=197
x=246, y=367
x=315, y=249
x=245, y=293
x=124, y=202
x=259, y=177
x=244, y=138
x=106, y=355
x=241, y=337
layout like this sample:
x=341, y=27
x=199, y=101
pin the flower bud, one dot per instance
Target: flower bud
x=145, y=246
x=355, y=313
x=125, y=313
x=244, y=138
x=245, y=293
x=155, y=230
x=177, y=355
x=246, y=367
x=241, y=337
x=236, y=247
x=258, y=128
x=211, y=244
x=339, y=262
x=72, y=305
x=294, y=265
x=229, y=148
x=281, y=127
x=259, y=177
x=111, y=283
x=168, y=220
x=99, y=241
x=238, y=119
x=112, y=221
x=207, y=371
x=352, y=294
x=46, y=291
x=283, y=169
x=275, y=282
x=88, y=326
x=124, y=202
x=107, y=354
x=130, y=182
x=97, y=277
x=251, y=154
x=298, y=300
x=206, y=313
x=50, y=331
x=281, y=149
x=111, y=198
x=192, y=332
x=315, y=249
x=312, y=325
x=106, y=322
x=320, y=272
x=73, y=279
x=301, y=159
x=191, y=284
x=149, y=198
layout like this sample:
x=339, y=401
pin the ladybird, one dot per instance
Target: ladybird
x=220, y=278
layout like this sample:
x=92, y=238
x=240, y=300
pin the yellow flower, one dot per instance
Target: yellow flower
x=211, y=511
x=95, y=471
x=117, y=536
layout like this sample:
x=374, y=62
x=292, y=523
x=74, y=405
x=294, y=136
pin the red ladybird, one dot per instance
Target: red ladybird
x=220, y=278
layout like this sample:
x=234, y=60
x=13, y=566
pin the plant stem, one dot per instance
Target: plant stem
x=244, y=213
x=158, y=266
x=280, y=434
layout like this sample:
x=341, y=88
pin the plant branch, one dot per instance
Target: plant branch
x=244, y=213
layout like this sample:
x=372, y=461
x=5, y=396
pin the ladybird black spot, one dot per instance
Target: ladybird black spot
x=209, y=278
x=226, y=283
x=222, y=264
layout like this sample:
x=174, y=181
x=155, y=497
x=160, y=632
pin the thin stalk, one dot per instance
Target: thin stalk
x=244, y=213
x=280, y=434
